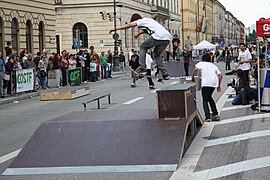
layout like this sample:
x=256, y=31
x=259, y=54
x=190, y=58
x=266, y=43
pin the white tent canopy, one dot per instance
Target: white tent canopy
x=204, y=45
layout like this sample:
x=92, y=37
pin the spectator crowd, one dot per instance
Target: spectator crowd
x=94, y=67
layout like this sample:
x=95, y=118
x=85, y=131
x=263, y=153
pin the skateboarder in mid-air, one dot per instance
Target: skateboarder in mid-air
x=159, y=39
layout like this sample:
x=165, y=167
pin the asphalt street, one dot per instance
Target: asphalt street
x=19, y=121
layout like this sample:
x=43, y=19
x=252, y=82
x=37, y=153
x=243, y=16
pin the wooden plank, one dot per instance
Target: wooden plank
x=63, y=94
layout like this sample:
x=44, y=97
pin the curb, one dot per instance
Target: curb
x=18, y=98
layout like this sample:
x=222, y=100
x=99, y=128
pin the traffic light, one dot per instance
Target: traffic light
x=103, y=15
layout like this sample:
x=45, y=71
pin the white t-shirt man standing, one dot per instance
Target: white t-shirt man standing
x=211, y=79
x=244, y=60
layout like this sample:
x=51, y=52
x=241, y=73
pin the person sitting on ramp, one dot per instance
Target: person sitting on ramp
x=159, y=39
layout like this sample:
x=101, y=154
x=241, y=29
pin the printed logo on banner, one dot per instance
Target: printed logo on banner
x=25, y=80
x=74, y=77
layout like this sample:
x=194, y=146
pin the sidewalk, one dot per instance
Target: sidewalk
x=24, y=95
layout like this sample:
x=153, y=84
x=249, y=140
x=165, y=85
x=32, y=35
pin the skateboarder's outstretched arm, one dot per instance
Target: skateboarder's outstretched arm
x=138, y=34
x=126, y=26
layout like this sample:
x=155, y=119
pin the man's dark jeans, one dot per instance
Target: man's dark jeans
x=207, y=98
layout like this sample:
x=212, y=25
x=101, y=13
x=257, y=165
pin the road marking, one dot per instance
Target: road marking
x=175, y=82
x=230, y=169
x=192, y=156
x=223, y=98
x=173, y=78
x=235, y=107
x=154, y=91
x=236, y=138
x=9, y=156
x=244, y=118
x=229, y=100
x=90, y=169
x=133, y=100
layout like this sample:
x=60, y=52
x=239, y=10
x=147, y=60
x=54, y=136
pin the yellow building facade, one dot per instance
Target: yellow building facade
x=27, y=25
x=197, y=17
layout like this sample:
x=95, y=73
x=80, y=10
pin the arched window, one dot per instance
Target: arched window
x=14, y=34
x=1, y=36
x=41, y=36
x=29, y=36
x=80, y=36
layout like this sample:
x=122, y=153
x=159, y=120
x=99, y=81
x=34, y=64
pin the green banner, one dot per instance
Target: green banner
x=74, y=76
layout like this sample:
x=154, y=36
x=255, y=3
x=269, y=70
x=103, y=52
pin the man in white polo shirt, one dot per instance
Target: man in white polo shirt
x=244, y=60
x=211, y=79
x=159, y=39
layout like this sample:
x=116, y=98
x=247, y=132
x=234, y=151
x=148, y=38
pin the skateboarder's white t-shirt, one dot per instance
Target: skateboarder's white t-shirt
x=209, y=74
x=153, y=28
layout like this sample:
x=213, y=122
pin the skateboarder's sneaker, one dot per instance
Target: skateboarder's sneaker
x=152, y=87
x=166, y=76
x=133, y=85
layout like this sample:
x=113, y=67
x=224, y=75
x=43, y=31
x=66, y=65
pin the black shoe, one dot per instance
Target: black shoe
x=244, y=103
x=208, y=120
x=215, y=118
x=166, y=76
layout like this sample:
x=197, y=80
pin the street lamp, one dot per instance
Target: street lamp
x=115, y=37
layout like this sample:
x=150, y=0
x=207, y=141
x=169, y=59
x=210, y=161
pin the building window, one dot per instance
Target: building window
x=58, y=2
x=1, y=36
x=177, y=8
x=14, y=34
x=80, y=36
x=41, y=36
x=29, y=36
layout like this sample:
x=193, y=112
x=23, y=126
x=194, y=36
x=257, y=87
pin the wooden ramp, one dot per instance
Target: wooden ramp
x=114, y=140
x=176, y=68
x=64, y=93
x=90, y=143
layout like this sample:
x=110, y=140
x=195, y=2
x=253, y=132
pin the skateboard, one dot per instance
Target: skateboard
x=144, y=75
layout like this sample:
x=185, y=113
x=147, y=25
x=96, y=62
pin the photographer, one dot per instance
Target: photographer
x=241, y=85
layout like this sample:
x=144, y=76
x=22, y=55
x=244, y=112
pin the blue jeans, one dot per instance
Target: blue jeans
x=159, y=46
x=240, y=97
x=44, y=82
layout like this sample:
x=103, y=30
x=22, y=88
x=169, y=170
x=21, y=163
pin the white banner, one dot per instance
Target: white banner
x=25, y=79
